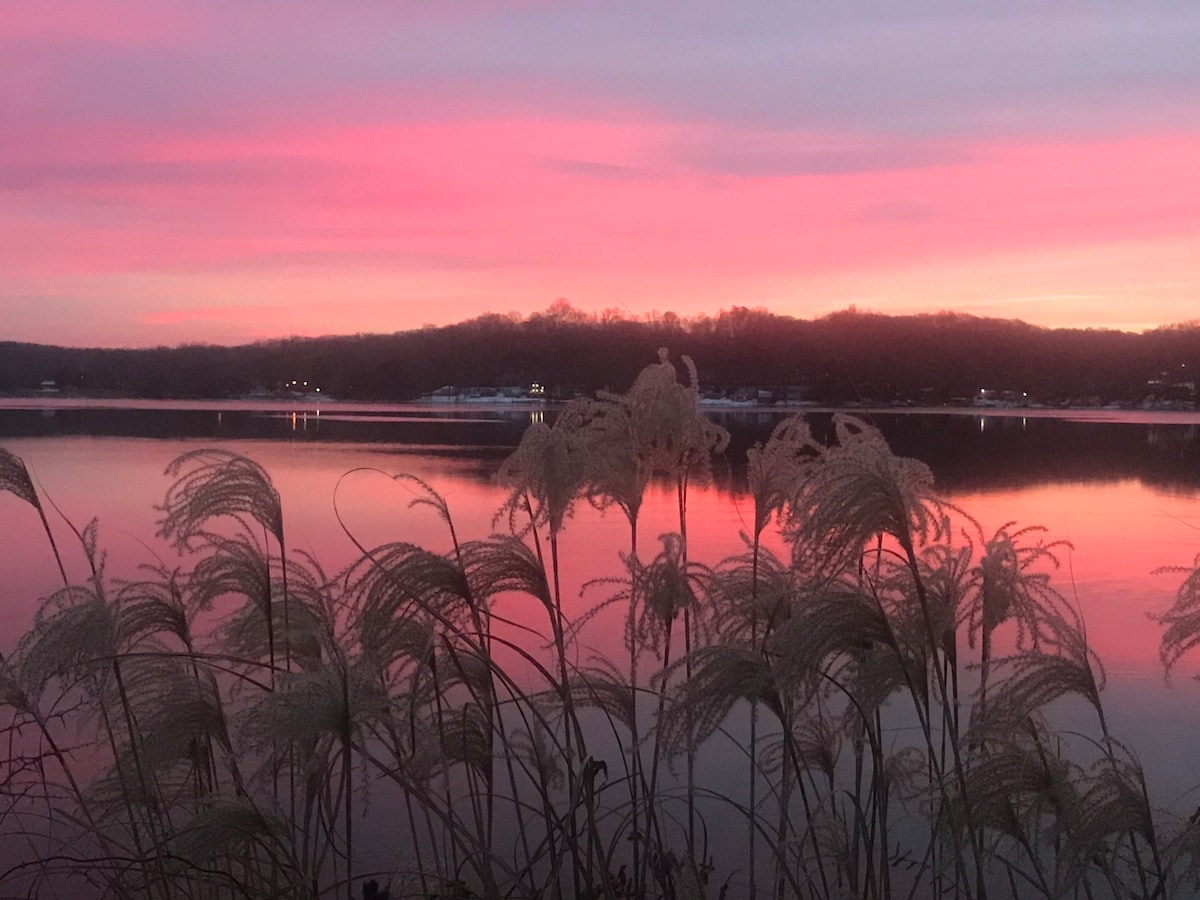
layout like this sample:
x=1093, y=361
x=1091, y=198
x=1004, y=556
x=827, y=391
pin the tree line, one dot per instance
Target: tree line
x=844, y=357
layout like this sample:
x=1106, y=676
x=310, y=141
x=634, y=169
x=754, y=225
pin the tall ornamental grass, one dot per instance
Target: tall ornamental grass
x=870, y=713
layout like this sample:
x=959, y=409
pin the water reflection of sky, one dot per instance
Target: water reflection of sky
x=1121, y=528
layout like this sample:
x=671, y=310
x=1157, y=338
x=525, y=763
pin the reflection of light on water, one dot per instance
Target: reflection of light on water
x=982, y=421
x=536, y=416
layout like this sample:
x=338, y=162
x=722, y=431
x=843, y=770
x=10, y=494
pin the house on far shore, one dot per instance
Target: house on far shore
x=535, y=393
x=49, y=386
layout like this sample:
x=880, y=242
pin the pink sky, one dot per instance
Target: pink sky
x=223, y=172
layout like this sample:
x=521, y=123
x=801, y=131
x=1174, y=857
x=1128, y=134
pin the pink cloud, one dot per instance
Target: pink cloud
x=188, y=170
x=204, y=314
x=511, y=213
x=504, y=185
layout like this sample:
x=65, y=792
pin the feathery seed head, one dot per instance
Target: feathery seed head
x=553, y=465
x=857, y=491
x=227, y=828
x=313, y=710
x=832, y=628
x=1182, y=620
x=661, y=590
x=505, y=564
x=1008, y=587
x=748, y=599
x=14, y=478
x=669, y=434
x=720, y=677
x=214, y=483
x=775, y=470
x=1034, y=679
x=606, y=689
x=74, y=637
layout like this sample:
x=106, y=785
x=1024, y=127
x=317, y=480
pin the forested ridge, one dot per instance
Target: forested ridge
x=847, y=356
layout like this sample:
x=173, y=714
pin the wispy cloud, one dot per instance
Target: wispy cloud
x=652, y=153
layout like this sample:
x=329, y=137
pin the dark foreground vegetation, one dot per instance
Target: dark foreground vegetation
x=846, y=357
x=884, y=692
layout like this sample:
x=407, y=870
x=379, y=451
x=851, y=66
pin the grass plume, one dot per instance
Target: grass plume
x=885, y=747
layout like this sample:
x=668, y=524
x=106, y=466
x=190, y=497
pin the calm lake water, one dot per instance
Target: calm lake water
x=1124, y=489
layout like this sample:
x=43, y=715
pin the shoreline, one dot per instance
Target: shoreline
x=1110, y=413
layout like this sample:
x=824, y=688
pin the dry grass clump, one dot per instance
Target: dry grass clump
x=873, y=741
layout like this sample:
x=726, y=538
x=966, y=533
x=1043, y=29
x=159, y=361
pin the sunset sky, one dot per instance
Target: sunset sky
x=176, y=171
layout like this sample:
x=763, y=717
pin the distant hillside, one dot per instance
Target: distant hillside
x=844, y=357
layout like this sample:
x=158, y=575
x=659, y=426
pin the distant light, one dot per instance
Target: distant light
x=318, y=390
